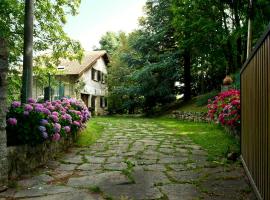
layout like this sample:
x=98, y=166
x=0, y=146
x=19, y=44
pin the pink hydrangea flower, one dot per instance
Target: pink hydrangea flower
x=12, y=121
x=67, y=129
x=56, y=128
x=56, y=137
x=16, y=104
x=76, y=123
x=28, y=107
x=55, y=113
x=31, y=100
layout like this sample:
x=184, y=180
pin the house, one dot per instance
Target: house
x=85, y=80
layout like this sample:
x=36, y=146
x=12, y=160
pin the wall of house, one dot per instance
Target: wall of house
x=95, y=88
x=67, y=81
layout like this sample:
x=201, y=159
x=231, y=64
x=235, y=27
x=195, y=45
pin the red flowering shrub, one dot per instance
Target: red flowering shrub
x=225, y=108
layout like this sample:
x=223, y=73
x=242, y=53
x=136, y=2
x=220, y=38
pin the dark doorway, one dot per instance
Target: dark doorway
x=93, y=103
x=85, y=98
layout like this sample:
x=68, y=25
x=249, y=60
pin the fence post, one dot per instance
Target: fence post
x=3, y=109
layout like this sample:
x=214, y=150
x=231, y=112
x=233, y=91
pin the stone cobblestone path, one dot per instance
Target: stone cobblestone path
x=134, y=160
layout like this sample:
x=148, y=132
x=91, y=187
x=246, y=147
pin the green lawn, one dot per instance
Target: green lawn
x=90, y=134
x=190, y=106
x=210, y=137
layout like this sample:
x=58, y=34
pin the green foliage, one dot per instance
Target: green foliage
x=50, y=17
x=191, y=106
x=110, y=42
x=191, y=42
x=14, y=86
x=236, y=80
x=78, y=87
x=202, y=100
x=144, y=67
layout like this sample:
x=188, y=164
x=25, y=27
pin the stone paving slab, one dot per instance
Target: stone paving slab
x=180, y=191
x=134, y=161
x=76, y=195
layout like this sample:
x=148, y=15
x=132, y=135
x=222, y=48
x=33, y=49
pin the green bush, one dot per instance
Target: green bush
x=236, y=81
x=202, y=100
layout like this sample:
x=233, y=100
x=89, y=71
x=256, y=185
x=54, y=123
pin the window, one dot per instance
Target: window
x=103, y=102
x=103, y=78
x=96, y=75
x=93, y=74
x=60, y=67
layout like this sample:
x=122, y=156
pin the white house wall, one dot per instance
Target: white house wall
x=93, y=87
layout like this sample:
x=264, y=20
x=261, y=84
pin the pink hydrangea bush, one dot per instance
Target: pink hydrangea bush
x=34, y=123
x=225, y=109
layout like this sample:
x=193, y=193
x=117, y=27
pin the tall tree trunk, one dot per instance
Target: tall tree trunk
x=228, y=47
x=250, y=19
x=187, y=75
x=27, y=79
x=239, y=38
x=3, y=107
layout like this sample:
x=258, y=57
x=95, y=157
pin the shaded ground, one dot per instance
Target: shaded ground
x=135, y=159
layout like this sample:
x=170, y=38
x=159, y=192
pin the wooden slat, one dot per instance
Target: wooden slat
x=268, y=119
x=255, y=117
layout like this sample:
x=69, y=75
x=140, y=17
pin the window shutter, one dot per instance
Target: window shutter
x=99, y=75
x=102, y=77
x=93, y=74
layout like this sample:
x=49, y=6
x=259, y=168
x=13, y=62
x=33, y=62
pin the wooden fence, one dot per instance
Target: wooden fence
x=255, y=117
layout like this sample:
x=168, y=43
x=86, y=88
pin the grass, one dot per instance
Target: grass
x=191, y=106
x=95, y=189
x=90, y=134
x=210, y=137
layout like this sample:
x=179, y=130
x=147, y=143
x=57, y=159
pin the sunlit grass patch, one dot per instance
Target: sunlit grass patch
x=210, y=137
x=90, y=134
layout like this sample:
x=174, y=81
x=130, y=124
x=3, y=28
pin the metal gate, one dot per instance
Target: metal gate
x=255, y=117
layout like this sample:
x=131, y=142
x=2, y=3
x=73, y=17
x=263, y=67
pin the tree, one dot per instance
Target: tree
x=27, y=78
x=192, y=42
x=3, y=107
x=214, y=35
x=50, y=16
x=120, y=98
x=110, y=42
x=155, y=56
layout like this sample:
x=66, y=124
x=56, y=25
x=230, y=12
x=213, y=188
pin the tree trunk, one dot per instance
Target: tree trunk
x=27, y=78
x=3, y=108
x=250, y=19
x=228, y=47
x=239, y=38
x=187, y=75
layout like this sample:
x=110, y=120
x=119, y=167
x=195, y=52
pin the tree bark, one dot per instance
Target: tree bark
x=3, y=109
x=187, y=75
x=228, y=47
x=239, y=38
x=250, y=19
x=27, y=78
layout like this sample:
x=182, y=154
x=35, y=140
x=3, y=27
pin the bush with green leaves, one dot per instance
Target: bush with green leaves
x=34, y=123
